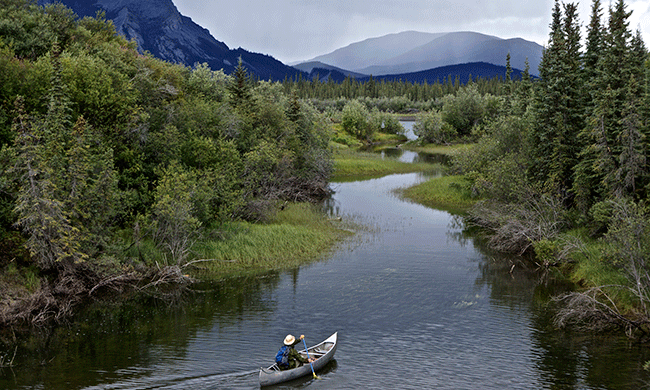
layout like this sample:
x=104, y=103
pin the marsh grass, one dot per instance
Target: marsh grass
x=349, y=163
x=591, y=268
x=448, y=150
x=448, y=193
x=299, y=234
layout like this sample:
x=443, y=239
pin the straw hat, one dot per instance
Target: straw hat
x=289, y=340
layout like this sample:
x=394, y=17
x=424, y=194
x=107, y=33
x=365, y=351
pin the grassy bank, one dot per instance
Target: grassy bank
x=589, y=266
x=448, y=193
x=450, y=150
x=353, y=164
x=297, y=235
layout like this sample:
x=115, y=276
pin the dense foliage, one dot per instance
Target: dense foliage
x=103, y=148
x=569, y=153
x=98, y=140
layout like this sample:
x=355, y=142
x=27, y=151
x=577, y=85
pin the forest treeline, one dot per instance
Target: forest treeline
x=398, y=96
x=565, y=167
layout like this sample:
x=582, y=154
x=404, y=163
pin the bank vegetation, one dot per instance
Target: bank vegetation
x=122, y=170
x=560, y=165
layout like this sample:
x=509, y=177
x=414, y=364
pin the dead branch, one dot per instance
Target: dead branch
x=205, y=260
x=594, y=309
x=116, y=281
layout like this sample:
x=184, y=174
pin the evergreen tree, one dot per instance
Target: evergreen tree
x=240, y=87
x=632, y=160
x=559, y=107
x=41, y=213
x=600, y=167
x=593, y=47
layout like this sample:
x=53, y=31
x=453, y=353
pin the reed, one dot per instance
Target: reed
x=298, y=235
x=449, y=150
x=448, y=193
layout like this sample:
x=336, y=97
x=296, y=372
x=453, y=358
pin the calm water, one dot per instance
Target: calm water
x=416, y=302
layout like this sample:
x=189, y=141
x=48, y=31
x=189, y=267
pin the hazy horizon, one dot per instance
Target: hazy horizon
x=297, y=31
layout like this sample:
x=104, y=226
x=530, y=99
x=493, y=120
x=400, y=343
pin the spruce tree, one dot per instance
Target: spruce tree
x=607, y=125
x=632, y=160
x=594, y=43
x=39, y=169
x=240, y=87
x=559, y=105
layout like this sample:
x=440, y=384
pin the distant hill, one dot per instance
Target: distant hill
x=374, y=51
x=324, y=71
x=412, y=52
x=158, y=27
x=442, y=74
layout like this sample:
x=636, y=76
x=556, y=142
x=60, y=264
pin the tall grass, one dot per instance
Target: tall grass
x=449, y=193
x=449, y=150
x=591, y=268
x=297, y=235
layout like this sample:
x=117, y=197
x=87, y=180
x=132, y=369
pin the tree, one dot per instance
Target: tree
x=465, y=110
x=354, y=120
x=175, y=226
x=41, y=215
x=632, y=160
x=593, y=48
x=240, y=87
x=609, y=139
x=559, y=106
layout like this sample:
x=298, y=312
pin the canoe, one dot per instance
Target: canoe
x=323, y=352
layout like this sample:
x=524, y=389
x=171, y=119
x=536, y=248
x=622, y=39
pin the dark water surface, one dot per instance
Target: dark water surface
x=416, y=302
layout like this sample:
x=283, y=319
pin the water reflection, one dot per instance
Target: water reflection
x=418, y=301
x=408, y=156
x=408, y=128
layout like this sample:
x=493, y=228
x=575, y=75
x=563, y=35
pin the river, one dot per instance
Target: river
x=417, y=303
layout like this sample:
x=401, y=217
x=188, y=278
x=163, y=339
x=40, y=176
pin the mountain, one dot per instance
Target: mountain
x=412, y=52
x=374, y=51
x=442, y=74
x=324, y=71
x=159, y=28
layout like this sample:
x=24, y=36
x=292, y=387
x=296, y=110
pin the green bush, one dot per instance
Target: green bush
x=468, y=109
x=355, y=120
x=430, y=128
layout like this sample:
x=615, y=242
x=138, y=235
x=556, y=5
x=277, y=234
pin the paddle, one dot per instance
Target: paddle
x=309, y=358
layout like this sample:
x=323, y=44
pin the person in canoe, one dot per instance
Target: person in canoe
x=287, y=357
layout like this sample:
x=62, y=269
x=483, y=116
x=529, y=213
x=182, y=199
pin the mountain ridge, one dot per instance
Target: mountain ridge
x=442, y=74
x=441, y=50
x=159, y=28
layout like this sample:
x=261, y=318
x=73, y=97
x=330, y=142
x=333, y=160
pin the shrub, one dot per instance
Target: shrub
x=355, y=120
x=468, y=109
x=430, y=128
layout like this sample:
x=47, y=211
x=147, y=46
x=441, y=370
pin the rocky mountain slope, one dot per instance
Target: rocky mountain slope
x=159, y=28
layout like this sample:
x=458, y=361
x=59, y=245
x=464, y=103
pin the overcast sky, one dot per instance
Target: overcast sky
x=294, y=30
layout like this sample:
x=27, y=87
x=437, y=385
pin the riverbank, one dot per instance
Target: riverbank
x=351, y=164
x=297, y=234
x=446, y=193
x=601, y=267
